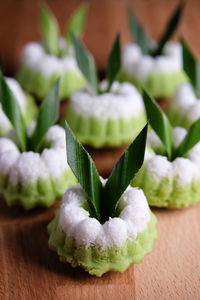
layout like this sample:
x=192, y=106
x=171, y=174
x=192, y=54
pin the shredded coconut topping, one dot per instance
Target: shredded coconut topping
x=193, y=112
x=35, y=58
x=8, y=160
x=123, y=101
x=178, y=135
x=194, y=155
x=183, y=169
x=142, y=66
x=154, y=140
x=20, y=97
x=183, y=97
x=6, y=145
x=28, y=167
x=159, y=167
x=75, y=221
x=88, y=229
x=185, y=103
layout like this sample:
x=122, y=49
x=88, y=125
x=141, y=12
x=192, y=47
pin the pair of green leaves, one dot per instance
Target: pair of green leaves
x=87, y=65
x=191, y=68
x=104, y=199
x=162, y=127
x=50, y=29
x=47, y=116
x=141, y=38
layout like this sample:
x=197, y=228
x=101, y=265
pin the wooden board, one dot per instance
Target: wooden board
x=105, y=18
x=29, y=270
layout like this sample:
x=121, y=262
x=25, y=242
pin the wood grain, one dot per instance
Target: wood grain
x=28, y=269
x=19, y=24
x=172, y=271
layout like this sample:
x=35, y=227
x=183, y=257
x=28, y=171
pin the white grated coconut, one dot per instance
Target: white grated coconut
x=142, y=66
x=184, y=169
x=76, y=222
x=123, y=101
x=35, y=58
x=27, y=167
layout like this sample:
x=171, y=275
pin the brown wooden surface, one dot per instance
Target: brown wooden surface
x=28, y=270
x=19, y=24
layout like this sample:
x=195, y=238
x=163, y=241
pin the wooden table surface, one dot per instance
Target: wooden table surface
x=105, y=19
x=29, y=270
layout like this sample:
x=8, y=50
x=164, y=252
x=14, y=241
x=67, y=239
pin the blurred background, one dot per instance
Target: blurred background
x=19, y=24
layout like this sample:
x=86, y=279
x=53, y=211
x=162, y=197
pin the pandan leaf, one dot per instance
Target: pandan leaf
x=50, y=29
x=114, y=62
x=191, y=139
x=159, y=122
x=191, y=68
x=84, y=169
x=124, y=171
x=86, y=63
x=138, y=33
x=12, y=110
x=47, y=116
x=76, y=23
x=170, y=29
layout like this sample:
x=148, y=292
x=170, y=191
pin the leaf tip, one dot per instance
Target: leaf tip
x=84, y=6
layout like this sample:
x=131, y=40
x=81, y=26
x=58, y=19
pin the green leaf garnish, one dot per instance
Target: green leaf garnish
x=50, y=30
x=124, y=171
x=104, y=199
x=86, y=63
x=12, y=110
x=84, y=169
x=191, y=68
x=159, y=122
x=76, y=23
x=47, y=116
x=191, y=139
x=170, y=29
x=114, y=62
x=138, y=33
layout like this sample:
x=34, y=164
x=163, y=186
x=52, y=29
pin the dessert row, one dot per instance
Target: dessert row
x=102, y=224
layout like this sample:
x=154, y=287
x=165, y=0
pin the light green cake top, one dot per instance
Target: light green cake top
x=76, y=222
